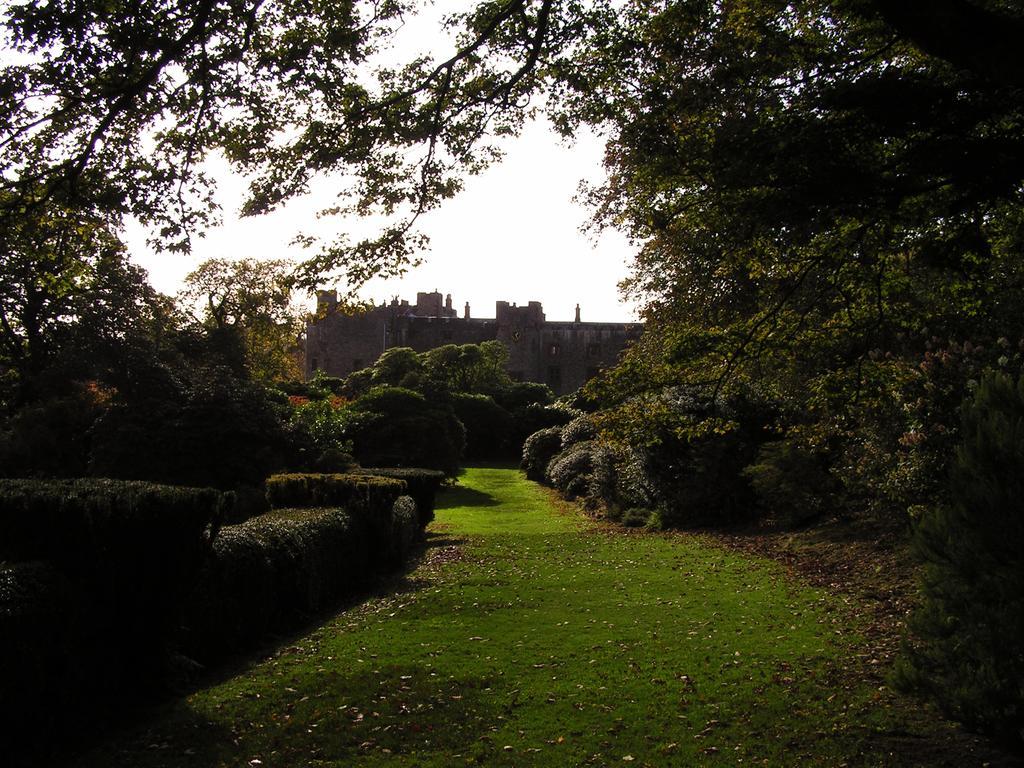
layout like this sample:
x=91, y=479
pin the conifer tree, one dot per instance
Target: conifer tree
x=968, y=647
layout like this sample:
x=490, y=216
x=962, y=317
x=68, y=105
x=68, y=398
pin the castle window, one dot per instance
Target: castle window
x=594, y=349
x=555, y=376
x=553, y=350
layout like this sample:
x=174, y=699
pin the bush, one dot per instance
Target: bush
x=636, y=517
x=82, y=524
x=332, y=490
x=523, y=394
x=421, y=484
x=405, y=529
x=49, y=660
x=487, y=425
x=217, y=431
x=533, y=418
x=538, y=450
x=792, y=483
x=269, y=570
x=570, y=472
x=100, y=614
x=49, y=438
x=578, y=430
x=407, y=431
x=368, y=500
x=968, y=636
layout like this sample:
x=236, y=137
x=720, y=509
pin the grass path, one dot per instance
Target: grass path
x=529, y=636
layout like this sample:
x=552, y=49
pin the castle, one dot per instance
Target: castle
x=563, y=355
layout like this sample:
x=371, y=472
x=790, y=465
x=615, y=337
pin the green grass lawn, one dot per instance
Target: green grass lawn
x=530, y=636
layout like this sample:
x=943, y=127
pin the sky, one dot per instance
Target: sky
x=513, y=234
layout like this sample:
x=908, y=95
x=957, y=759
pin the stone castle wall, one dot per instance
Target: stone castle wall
x=563, y=355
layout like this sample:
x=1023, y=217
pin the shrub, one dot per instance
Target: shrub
x=570, y=471
x=578, y=430
x=158, y=531
x=217, y=431
x=421, y=484
x=133, y=551
x=407, y=431
x=791, y=482
x=332, y=490
x=269, y=570
x=533, y=418
x=968, y=636
x=523, y=394
x=636, y=517
x=320, y=435
x=100, y=615
x=487, y=425
x=405, y=529
x=368, y=500
x=538, y=450
x=49, y=438
x=49, y=660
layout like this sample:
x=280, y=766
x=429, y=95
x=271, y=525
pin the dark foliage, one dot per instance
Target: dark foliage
x=213, y=429
x=265, y=572
x=967, y=648
x=332, y=490
x=421, y=484
x=92, y=592
x=792, y=483
x=407, y=430
x=488, y=426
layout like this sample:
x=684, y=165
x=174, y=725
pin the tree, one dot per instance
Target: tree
x=252, y=299
x=112, y=108
x=68, y=295
x=967, y=649
x=466, y=368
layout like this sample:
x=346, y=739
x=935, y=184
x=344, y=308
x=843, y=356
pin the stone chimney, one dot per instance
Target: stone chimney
x=448, y=302
x=465, y=313
x=577, y=313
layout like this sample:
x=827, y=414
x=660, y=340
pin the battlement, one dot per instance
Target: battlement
x=561, y=354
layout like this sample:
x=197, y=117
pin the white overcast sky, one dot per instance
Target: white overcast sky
x=513, y=234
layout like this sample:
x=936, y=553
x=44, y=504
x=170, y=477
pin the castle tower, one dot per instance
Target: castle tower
x=577, y=313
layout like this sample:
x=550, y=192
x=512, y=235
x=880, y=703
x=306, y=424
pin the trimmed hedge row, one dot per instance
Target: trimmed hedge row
x=48, y=656
x=101, y=581
x=265, y=571
x=74, y=521
x=327, y=534
x=421, y=484
x=93, y=577
x=332, y=490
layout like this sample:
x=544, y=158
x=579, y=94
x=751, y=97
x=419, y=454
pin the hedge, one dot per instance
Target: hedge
x=327, y=535
x=91, y=593
x=132, y=549
x=75, y=521
x=47, y=656
x=332, y=490
x=267, y=570
x=421, y=484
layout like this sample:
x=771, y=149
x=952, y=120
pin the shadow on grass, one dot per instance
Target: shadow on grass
x=117, y=720
x=335, y=716
x=460, y=496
